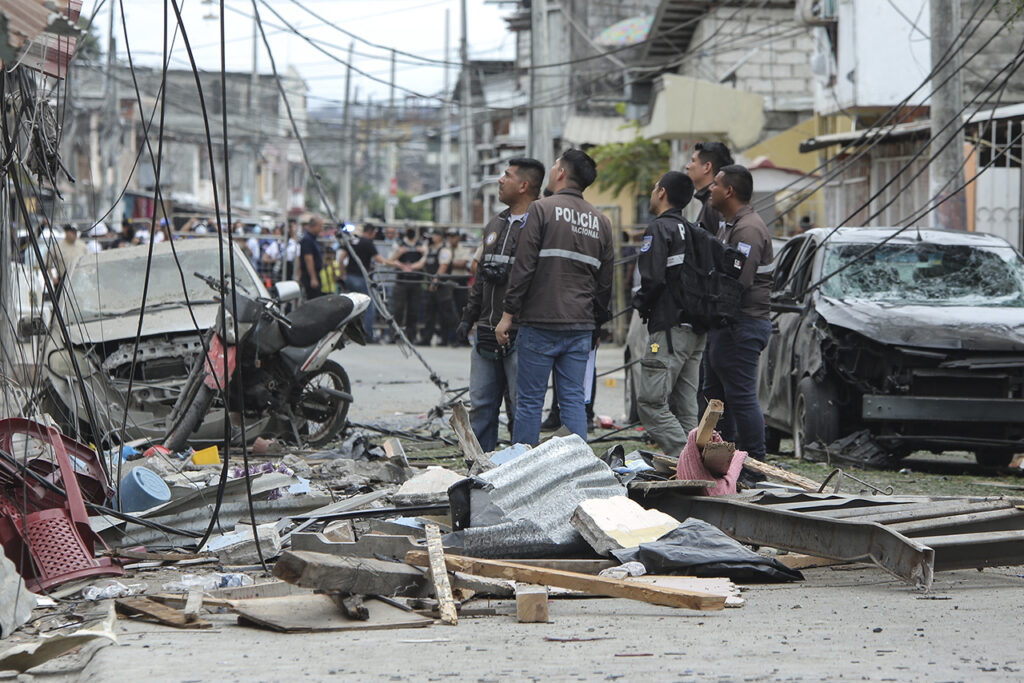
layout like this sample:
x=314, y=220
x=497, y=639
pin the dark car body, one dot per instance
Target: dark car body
x=916, y=336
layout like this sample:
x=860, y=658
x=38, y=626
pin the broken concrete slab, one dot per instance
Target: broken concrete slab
x=239, y=547
x=380, y=546
x=614, y=523
x=360, y=473
x=359, y=575
x=427, y=488
x=16, y=602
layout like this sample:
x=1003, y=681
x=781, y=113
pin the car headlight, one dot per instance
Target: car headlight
x=59, y=363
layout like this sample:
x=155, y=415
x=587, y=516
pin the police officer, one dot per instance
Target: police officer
x=669, y=375
x=411, y=257
x=559, y=288
x=492, y=372
x=440, y=305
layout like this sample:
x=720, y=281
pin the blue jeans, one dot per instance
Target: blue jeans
x=490, y=381
x=540, y=352
x=357, y=283
x=731, y=376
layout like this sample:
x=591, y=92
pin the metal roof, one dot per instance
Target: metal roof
x=867, y=135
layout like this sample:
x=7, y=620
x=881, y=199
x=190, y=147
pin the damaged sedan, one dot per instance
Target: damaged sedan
x=915, y=337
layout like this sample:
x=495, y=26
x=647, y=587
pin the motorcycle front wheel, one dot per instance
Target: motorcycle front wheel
x=319, y=412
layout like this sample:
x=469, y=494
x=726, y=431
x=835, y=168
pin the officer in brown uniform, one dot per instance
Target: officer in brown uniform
x=559, y=289
x=492, y=370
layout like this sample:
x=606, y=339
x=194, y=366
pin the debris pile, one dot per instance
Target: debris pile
x=361, y=536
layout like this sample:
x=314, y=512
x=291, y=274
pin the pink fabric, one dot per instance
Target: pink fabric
x=691, y=466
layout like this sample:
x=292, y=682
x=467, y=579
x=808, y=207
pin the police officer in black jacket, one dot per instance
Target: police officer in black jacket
x=670, y=368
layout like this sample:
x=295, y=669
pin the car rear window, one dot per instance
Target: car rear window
x=925, y=273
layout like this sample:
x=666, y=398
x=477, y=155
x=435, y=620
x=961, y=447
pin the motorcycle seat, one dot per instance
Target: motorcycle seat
x=315, y=318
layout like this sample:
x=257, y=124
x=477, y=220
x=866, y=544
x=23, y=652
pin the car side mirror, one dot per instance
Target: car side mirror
x=286, y=290
x=31, y=327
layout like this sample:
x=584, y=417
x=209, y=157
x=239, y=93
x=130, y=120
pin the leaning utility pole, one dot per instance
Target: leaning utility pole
x=540, y=108
x=345, y=160
x=392, y=196
x=946, y=172
x=111, y=127
x=444, y=213
x=465, y=128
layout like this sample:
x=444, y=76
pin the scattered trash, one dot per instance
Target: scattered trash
x=112, y=589
x=624, y=570
x=142, y=489
x=24, y=657
x=206, y=582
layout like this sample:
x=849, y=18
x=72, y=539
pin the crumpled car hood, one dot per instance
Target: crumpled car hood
x=938, y=327
x=169, y=321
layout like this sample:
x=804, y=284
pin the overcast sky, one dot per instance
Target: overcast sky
x=413, y=26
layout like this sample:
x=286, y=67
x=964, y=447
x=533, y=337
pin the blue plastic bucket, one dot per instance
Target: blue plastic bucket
x=141, y=489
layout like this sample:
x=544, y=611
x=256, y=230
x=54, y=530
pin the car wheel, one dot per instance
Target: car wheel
x=993, y=457
x=815, y=415
x=632, y=413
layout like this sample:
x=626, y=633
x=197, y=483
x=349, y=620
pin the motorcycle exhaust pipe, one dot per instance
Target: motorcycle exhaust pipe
x=337, y=394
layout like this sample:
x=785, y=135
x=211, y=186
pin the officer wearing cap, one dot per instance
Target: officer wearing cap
x=559, y=288
x=492, y=374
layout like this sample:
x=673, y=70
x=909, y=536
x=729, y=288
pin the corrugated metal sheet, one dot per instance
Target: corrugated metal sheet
x=524, y=506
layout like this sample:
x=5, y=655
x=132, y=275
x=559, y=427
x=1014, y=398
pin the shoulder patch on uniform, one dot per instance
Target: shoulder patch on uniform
x=648, y=239
x=744, y=248
x=491, y=239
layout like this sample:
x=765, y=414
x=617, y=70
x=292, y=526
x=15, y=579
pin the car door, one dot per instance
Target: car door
x=775, y=373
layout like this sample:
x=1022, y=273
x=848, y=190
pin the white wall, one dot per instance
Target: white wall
x=883, y=55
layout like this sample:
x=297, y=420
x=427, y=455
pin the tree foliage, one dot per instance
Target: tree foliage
x=634, y=166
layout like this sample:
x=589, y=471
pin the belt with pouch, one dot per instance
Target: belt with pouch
x=487, y=343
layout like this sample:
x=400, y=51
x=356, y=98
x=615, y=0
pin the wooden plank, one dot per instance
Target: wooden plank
x=781, y=474
x=193, y=604
x=160, y=557
x=670, y=484
x=708, y=422
x=151, y=609
x=438, y=573
x=178, y=600
x=467, y=438
x=799, y=561
x=578, y=566
x=593, y=584
x=315, y=612
x=531, y=603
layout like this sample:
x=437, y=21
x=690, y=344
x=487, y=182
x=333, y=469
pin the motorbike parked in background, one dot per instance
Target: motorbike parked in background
x=276, y=368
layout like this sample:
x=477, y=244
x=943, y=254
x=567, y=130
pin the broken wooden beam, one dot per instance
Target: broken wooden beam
x=154, y=611
x=531, y=603
x=598, y=585
x=708, y=422
x=439, y=575
x=781, y=474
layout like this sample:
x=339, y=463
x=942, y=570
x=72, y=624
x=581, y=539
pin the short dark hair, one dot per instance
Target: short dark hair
x=715, y=153
x=531, y=170
x=678, y=188
x=739, y=179
x=581, y=168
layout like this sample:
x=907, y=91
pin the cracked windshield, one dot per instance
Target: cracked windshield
x=115, y=288
x=935, y=274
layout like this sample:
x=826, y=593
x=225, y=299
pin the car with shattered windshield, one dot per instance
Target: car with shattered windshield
x=913, y=336
x=101, y=303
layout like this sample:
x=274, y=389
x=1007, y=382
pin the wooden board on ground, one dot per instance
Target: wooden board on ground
x=154, y=611
x=531, y=603
x=719, y=586
x=798, y=561
x=781, y=474
x=439, y=575
x=312, y=613
x=613, y=588
x=578, y=566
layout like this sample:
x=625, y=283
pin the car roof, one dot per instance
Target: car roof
x=855, y=235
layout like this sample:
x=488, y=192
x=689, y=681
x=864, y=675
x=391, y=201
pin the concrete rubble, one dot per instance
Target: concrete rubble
x=343, y=533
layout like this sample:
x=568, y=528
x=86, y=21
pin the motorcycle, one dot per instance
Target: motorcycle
x=277, y=367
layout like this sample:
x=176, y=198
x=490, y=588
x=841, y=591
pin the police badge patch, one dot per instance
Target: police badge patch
x=647, y=243
x=490, y=238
